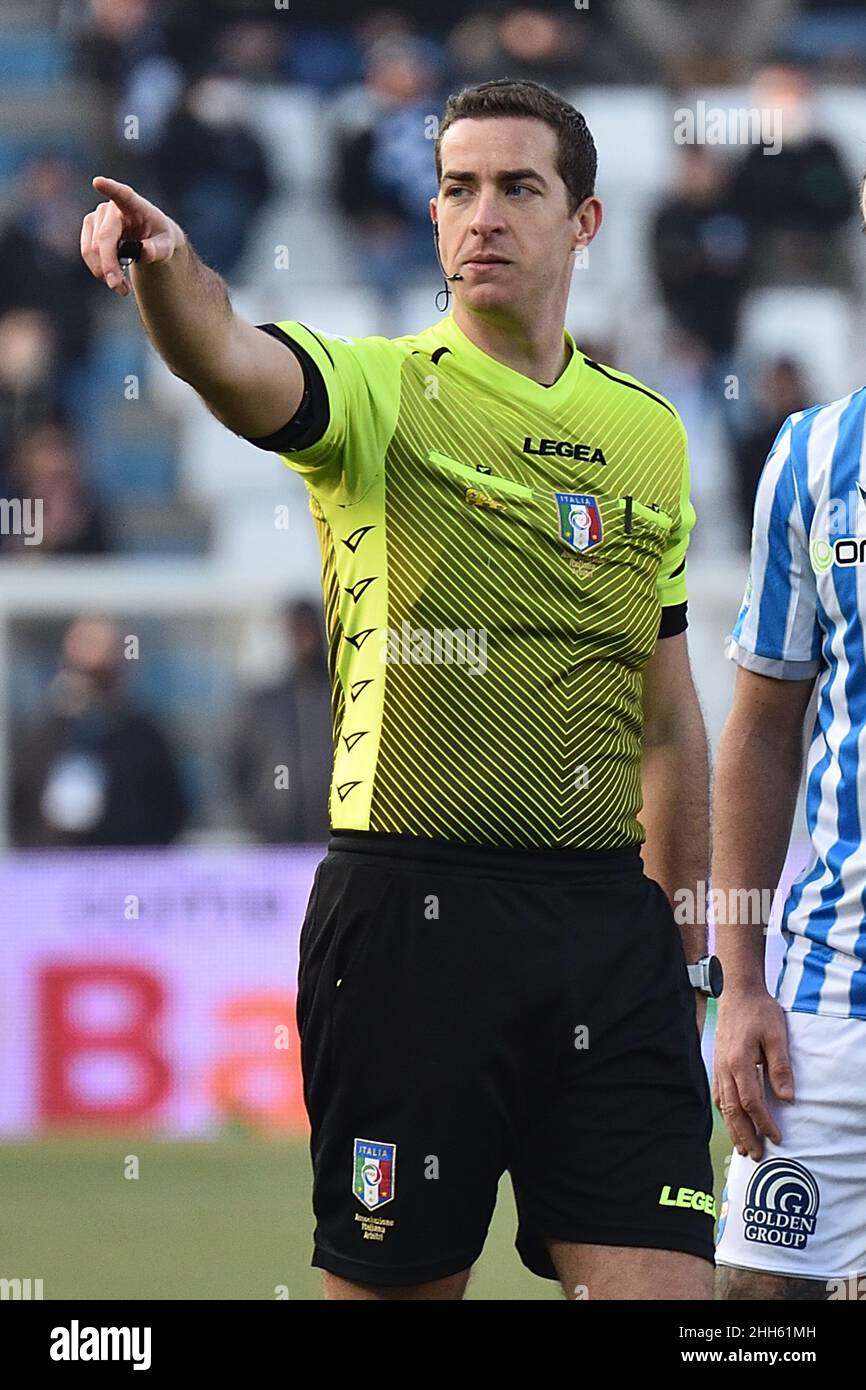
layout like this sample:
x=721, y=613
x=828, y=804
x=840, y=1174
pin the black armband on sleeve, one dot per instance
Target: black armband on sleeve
x=673, y=620
x=312, y=416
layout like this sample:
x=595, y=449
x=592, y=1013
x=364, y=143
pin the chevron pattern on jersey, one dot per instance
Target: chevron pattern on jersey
x=543, y=747
x=448, y=529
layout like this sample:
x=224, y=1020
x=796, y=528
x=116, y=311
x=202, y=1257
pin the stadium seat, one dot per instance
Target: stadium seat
x=336, y=308
x=418, y=306
x=840, y=114
x=145, y=526
x=737, y=98
x=816, y=327
x=130, y=453
x=32, y=56
x=319, y=248
x=633, y=131
x=290, y=123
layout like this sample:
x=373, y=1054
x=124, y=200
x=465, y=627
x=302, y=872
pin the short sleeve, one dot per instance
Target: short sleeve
x=671, y=586
x=358, y=380
x=777, y=631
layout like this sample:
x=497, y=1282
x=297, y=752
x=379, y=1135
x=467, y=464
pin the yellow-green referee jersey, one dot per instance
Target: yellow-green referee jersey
x=497, y=559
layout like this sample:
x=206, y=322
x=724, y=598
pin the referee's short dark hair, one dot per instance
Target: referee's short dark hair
x=506, y=96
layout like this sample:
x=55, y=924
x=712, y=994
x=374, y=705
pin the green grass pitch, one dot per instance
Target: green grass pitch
x=224, y=1219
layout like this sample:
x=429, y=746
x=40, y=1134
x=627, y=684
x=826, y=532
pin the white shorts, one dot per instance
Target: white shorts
x=801, y=1209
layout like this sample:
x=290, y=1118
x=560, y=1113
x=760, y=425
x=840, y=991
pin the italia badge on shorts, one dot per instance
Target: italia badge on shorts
x=375, y=1163
x=579, y=519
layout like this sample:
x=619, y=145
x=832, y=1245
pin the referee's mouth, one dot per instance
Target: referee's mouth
x=485, y=262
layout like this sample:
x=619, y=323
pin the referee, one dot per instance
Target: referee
x=491, y=974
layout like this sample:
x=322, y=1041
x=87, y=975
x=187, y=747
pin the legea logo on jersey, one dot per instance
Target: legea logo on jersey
x=579, y=519
x=781, y=1204
x=375, y=1163
x=845, y=550
x=565, y=449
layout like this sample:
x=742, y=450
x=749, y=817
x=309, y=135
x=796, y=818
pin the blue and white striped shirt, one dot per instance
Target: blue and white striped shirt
x=802, y=615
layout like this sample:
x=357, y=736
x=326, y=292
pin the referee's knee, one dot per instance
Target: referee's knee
x=452, y=1287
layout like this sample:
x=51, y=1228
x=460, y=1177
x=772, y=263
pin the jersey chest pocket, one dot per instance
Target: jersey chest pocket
x=640, y=529
x=635, y=513
x=632, y=531
x=479, y=478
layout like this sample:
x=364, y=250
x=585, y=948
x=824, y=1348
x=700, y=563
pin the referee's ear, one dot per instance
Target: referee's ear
x=589, y=217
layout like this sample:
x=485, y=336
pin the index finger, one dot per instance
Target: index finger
x=125, y=197
x=740, y=1127
x=752, y=1099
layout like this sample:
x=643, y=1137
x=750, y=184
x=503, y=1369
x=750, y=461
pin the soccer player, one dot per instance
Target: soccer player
x=789, y=1066
x=491, y=975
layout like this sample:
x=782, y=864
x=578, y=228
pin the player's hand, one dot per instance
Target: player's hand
x=126, y=216
x=751, y=1031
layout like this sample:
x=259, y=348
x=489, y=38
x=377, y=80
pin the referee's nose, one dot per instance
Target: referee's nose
x=488, y=214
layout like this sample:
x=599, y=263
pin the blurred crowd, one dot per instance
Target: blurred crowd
x=91, y=768
x=170, y=82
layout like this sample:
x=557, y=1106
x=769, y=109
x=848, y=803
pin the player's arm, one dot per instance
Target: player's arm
x=777, y=642
x=249, y=380
x=675, y=782
x=757, y=778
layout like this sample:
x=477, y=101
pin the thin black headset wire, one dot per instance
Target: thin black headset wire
x=446, y=290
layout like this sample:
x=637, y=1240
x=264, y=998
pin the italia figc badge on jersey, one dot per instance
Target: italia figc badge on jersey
x=579, y=519
x=375, y=1163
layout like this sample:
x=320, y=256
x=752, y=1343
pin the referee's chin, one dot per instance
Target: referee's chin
x=481, y=297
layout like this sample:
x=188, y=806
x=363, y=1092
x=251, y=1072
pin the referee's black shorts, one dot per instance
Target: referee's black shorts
x=465, y=1011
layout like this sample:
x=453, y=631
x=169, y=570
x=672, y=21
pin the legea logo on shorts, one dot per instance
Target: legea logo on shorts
x=688, y=1197
x=781, y=1206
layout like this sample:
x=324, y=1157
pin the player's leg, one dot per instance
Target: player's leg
x=793, y=1224
x=614, y=1182
x=754, y=1283
x=620, y=1271
x=345, y=1290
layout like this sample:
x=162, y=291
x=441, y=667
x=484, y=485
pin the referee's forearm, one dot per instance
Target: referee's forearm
x=187, y=314
x=676, y=853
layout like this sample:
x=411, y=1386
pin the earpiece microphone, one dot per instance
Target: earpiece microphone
x=439, y=258
x=447, y=278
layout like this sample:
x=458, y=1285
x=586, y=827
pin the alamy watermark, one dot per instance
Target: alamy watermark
x=437, y=646
x=77, y=1343
x=842, y=514
x=21, y=1289
x=854, y=1288
x=843, y=543
x=22, y=516
x=729, y=125
x=729, y=907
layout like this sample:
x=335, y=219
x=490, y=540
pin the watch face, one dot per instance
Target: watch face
x=716, y=976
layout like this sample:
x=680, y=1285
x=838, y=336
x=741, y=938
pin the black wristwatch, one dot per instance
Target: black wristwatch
x=706, y=975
